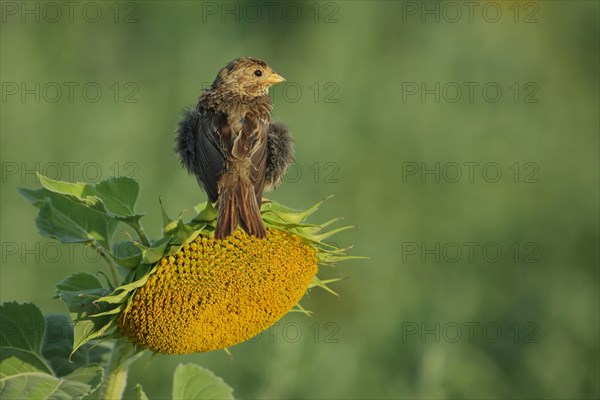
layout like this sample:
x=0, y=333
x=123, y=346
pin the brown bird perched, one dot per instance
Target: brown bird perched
x=230, y=144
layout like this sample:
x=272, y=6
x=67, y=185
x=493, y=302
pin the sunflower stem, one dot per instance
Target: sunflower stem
x=115, y=381
x=140, y=232
x=109, y=261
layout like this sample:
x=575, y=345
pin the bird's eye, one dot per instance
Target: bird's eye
x=258, y=72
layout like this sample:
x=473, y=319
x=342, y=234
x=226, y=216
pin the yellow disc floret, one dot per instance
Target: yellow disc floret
x=216, y=293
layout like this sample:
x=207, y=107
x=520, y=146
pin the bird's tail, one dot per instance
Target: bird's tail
x=238, y=205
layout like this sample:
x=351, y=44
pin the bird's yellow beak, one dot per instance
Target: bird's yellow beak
x=275, y=79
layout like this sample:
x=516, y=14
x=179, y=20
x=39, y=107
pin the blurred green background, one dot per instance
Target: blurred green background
x=424, y=317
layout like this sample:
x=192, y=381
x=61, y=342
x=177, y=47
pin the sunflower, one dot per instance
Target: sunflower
x=185, y=292
x=213, y=294
x=204, y=294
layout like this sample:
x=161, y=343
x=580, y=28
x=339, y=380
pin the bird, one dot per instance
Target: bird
x=228, y=142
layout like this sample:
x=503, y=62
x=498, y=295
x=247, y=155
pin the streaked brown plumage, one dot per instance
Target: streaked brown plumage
x=230, y=145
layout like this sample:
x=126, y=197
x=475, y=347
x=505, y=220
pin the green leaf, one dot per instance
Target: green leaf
x=192, y=382
x=115, y=196
x=140, y=392
x=320, y=237
x=86, y=330
x=119, y=195
x=121, y=294
x=288, y=215
x=22, y=328
x=24, y=373
x=168, y=223
x=19, y=381
x=208, y=213
x=126, y=254
x=58, y=345
x=152, y=254
x=81, y=293
x=78, y=191
x=68, y=220
x=185, y=233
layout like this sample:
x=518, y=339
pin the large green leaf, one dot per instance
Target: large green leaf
x=81, y=293
x=22, y=332
x=115, y=196
x=119, y=195
x=58, y=346
x=192, y=382
x=19, y=381
x=81, y=212
x=77, y=189
x=24, y=372
x=82, y=192
x=68, y=220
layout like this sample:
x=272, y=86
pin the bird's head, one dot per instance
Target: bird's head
x=247, y=76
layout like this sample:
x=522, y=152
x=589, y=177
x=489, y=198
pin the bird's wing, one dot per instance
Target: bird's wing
x=280, y=154
x=192, y=152
x=210, y=158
